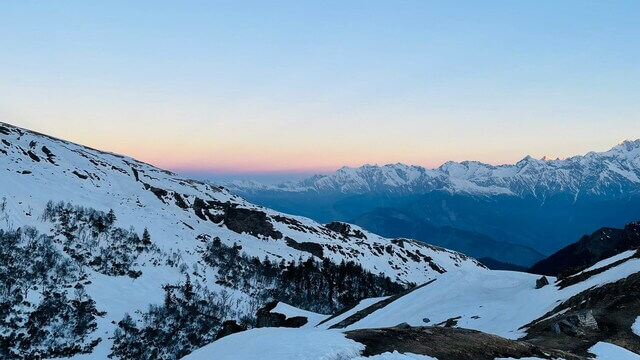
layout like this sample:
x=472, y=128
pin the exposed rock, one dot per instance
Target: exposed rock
x=50, y=155
x=603, y=313
x=449, y=344
x=266, y=318
x=240, y=220
x=345, y=230
x=295, y=321
x=576, y=324
x=312, y=248
x=542, y=282
x=81, y=176
x=180, y=201
x=33, y=156
x=229, y=327
x=159, y=193
x=250, y=221
x=450, y=322
x=294, y=224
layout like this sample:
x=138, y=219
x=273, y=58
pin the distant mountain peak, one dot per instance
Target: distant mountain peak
x=607, y=173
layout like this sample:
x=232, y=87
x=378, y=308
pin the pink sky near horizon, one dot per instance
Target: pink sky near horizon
x=194, y=154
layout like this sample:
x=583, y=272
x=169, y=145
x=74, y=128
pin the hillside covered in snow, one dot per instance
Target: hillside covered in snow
x=102, y=255
x=478, y=314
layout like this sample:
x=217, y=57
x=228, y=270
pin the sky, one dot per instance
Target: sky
x=289, y=88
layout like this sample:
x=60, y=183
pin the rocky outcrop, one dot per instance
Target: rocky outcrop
x=229, y=327
x=237, y=219
x=449, y=344
x=575, y=324
x=266, y=318
x=542, y=282
x=603, y=313
x=312, y=248
x=345, y=230
x=254, y=222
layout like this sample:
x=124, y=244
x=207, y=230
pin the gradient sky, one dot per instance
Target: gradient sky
x=304, y=86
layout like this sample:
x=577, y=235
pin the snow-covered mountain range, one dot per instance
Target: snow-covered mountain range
x=120, y=235
x=511, y=213
x=609, y=173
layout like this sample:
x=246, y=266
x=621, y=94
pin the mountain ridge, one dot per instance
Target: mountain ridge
x=536, y=203
x=527, y=177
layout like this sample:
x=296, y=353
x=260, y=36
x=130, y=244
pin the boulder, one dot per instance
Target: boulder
x=576, y=324
x=266, y=318
x=229, y=327
x=542, y=282
x=295, y=322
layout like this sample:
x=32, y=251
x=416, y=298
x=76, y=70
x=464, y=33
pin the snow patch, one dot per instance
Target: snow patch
x=291, y=311
x=282, y=344
x=636, y=326
x=608, y=351
x=395, y=356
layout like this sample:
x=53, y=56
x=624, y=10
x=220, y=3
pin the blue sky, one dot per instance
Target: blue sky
x=298, y=86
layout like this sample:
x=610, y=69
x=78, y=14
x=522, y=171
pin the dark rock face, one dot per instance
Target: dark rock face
x=603, y=313
x=81, y=176
x=450, y=322
x=159, y=193
x=201, y=209
x=345, y=230
x=266, y=318
x=542, y=282
x=295, y=322
x=269, y=319
x=33, y=156
x=449, y=344
x=576, y=324
x=590, y=249
x=50, y=155
x=312, y=248
x=180, y=201
x=240, y=220
x=251, y=221
x=229, y=327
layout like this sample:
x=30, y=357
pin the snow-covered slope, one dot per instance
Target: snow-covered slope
x=291, y=344
x=574, y=316
x=492, y=301
x=607, y=351
x=183, y=218
x=610, y=173
x=144, y=196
